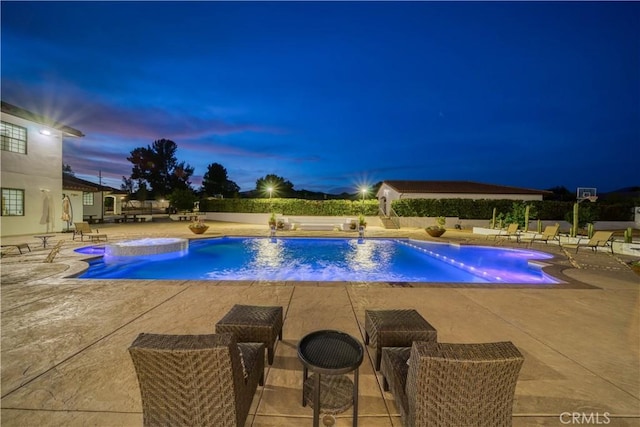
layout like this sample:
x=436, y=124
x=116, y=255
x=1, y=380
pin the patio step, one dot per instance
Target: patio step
x=388, y=223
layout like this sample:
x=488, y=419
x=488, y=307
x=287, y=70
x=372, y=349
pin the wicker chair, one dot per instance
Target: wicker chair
x=395, y=328
x=437, y=384
x=196, y=380
x=254, y=323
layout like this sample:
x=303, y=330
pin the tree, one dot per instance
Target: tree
x=158, y=166
x=281, y=187
x=182, y=199
x=561, y=194
x=66, y=169
x=127, y=185
x=215, y=181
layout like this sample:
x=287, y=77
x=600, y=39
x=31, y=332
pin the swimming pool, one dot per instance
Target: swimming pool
x=326, y=260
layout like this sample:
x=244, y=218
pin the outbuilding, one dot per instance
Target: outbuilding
x=397, y=189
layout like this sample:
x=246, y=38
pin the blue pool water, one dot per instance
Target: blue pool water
x=328, y=260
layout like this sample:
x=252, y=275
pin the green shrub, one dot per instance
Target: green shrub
x=292, y=206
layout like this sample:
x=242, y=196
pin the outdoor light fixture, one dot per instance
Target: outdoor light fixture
x=270, y=190
x=45, y=132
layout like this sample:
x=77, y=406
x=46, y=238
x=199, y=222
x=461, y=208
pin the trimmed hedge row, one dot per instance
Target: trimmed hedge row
x=462, y=208
x=293, y=206
x=483, y=209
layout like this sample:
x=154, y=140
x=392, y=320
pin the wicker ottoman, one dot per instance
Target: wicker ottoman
x=395, y=328
x=251, y=323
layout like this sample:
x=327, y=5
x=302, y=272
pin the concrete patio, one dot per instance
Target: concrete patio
x=64, y=340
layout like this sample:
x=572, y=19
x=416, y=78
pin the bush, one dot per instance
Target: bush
x=292, y=206
x=483, y=209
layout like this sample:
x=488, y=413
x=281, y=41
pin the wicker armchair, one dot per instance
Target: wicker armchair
x=196, y=380
x=438, y=384
x=395, y=328
x=254, y=323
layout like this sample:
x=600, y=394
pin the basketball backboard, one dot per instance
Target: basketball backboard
x=587, y=193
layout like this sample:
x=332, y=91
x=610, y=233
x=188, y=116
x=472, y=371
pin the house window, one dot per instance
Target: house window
x=12, y=202
x=14, y=138
x=87, y=199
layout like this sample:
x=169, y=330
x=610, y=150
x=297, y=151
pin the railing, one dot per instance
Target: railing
x=392, y=216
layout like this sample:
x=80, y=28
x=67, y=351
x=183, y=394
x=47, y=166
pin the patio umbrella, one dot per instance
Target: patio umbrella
x=47, y=210
x=67, y=210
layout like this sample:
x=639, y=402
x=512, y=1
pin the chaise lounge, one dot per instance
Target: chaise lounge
x=600, y=239
x=550, y=232
x=83, y=229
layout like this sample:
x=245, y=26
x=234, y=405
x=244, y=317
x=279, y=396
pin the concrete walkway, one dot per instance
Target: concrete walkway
x=64, y=340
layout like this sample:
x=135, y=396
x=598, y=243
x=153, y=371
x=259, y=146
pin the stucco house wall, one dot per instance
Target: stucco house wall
x=38, y=173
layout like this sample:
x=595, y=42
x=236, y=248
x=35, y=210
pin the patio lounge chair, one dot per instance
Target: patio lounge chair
x=438, y=384
x=196, y=380
x=83, y=229
x=19, y=246
x=512, y=230
x=550, y=232
x=600, y=239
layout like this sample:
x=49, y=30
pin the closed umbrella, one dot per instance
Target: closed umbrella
x=67, y=210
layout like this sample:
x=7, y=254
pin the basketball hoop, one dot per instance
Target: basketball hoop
x=586, y=193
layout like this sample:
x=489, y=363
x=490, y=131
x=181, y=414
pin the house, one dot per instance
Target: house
x=396, y=190
x=90, y=201
x=31, y=174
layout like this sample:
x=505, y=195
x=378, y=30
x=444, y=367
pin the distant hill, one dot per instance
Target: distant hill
x=622, y=194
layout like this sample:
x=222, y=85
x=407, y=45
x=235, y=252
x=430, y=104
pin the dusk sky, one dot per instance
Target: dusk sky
x=334, y=95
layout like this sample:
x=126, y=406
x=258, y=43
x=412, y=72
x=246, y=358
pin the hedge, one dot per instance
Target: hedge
x=462, y=208
x=292, y=206
x=483, y=209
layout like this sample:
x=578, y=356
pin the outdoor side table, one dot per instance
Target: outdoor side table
x=254, y=323
x=395, y=328
x=45, y=238
x=330, y=354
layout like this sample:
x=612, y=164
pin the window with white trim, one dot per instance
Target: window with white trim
x=12, y=202
x=87, y=199
x=14, y=138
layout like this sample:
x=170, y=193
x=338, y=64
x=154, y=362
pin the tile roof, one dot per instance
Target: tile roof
x=462, y=187
x=36, y=118
x=70, y=182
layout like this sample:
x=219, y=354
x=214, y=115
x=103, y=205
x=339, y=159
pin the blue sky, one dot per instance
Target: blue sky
x=333, y=95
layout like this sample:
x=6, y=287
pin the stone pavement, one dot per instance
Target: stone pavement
x=64, y=340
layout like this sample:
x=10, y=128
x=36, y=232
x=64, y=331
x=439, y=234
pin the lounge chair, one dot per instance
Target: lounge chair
x=438, y=384
x=512, y=230
x=19, y=246
x=196, y=380
x=550, y=232
x=600, y=239
x=83, y=229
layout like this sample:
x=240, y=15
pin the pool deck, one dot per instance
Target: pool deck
x=64, y=340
